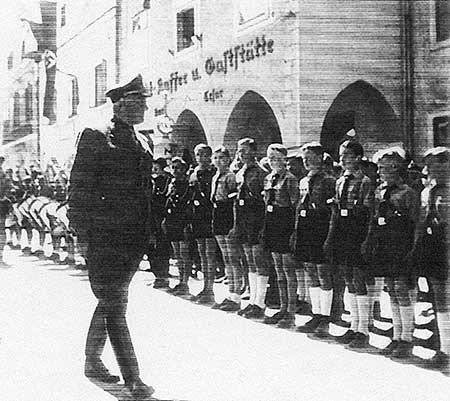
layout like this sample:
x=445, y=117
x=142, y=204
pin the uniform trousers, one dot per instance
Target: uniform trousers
x=110, y=274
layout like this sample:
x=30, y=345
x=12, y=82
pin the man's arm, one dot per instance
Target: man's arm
x=83, y=180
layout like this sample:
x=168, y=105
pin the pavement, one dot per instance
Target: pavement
x=186, y=351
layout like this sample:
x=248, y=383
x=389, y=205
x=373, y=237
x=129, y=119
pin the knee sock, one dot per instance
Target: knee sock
x=252, y=278
x=363, y=313
x=235, y=298
x=353, y=312
x=261, y=290
x=8, y=235
x=326, y=299
x=407, y=317
x=282, y=291
x=292, y=292
x=373, y=294
x=14, y=239
x=396, y=320
x=314, y=293
x=301, y=285
x=24, y=241
x=443, y=322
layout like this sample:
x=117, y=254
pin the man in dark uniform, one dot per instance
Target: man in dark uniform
x=109, y=211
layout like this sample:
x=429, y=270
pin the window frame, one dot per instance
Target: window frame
x=182, y=6
x=99, y=93
x=74, y=90
x=255, y=23
x=435, y=45
x=63, y=16
x=432, y=117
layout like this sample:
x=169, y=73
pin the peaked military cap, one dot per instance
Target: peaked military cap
x=133, y=87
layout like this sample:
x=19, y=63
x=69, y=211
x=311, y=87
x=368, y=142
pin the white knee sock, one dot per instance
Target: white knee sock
x=363, y=313
x=24, y=242
x=443, y=322
x=252, y=287
x=326, y=299
x=261, y=290
x=396, y=321
x=373, y=293
x=354, y=312
x=314, y=293
x=407, y=316
x=15, y=240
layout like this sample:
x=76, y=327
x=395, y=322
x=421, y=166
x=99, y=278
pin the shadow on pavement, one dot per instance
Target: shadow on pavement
x=116, y=390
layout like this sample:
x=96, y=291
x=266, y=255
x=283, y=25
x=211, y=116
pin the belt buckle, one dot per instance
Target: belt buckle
x=303, y=213
x=344, y=212
x=269, y=208
x=241, y=202
x=429, y=231
x=381, y=221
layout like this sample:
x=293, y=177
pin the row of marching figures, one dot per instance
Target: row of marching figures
x=35, y=220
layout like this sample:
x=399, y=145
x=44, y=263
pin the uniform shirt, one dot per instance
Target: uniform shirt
x=439, y=204
x=316, y=189
x=160, y=189
x=223, y=184
x=250, y=182
x=402, y=199
x=201, y=180
x=178, y=195
x=359, y=190
x=281, y=189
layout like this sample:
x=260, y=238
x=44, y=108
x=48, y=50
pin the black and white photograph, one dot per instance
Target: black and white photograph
x=224, y=200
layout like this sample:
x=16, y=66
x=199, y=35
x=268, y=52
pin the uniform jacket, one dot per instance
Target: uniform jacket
x=110, y=183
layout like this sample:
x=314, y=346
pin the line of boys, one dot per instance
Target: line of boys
x=346, y=228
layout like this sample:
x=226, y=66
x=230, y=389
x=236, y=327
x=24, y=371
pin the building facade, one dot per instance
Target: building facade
x=277, y=70
x=285, y=71
x=85, y=69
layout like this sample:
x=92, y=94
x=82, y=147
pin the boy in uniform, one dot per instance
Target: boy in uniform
x=390, y=241
x=348, y=230
x=280, y=197
x=311, y=230
x=202, y=212
x=249, y=223
x=432, y=243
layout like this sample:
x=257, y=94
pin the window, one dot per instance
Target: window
x=441, y=131
x=442, y=20
x=63, y=15
x=10, y=61
x=75, y=97
x=251, y=12
x=16, y=110
x=29, y=103
x=100, y=83
x=139, y=21
x=185, y=28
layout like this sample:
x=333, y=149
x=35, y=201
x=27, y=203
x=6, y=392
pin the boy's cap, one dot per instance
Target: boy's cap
x=395, y=151
x=134, y=87
x=351, y=133
x=437, y=151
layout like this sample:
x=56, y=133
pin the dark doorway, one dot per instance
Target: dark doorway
x=188, y=132
x=364, y=108
x=252, y=117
